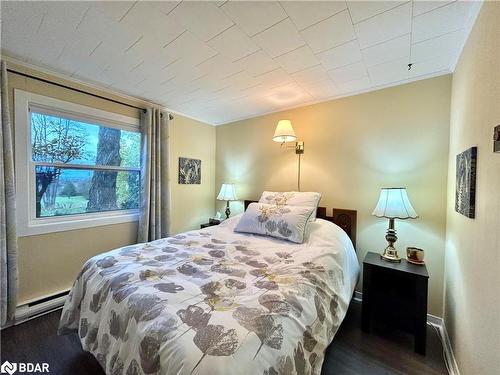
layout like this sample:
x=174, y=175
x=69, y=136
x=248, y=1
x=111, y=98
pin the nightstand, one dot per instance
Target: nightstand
x=395, y=294
x=206, y=225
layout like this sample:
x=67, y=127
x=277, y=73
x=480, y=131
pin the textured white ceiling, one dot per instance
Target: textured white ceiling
x=225, y=60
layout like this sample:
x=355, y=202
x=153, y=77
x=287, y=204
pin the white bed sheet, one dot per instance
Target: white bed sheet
x=127, y=304
x=319, y=233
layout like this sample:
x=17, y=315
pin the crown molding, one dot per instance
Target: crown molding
x=335, y=97
x=125, y=96
x=94, y=86
x=78, y=81
x=191, y=117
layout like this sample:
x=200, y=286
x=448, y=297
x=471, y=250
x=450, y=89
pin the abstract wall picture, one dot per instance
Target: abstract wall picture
x=496, y=139
x=189, y=171
x=465, y=195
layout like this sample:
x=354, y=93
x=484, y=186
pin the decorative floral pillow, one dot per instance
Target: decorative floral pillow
x=286, y=222
x=292, y=198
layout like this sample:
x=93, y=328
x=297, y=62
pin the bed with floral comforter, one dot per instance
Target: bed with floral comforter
x=214, y=301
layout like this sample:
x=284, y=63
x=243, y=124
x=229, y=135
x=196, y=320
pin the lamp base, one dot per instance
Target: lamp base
x=390, y=254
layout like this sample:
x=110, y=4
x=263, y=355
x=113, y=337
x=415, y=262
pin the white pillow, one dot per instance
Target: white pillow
x=285, y=222
x=292, y=198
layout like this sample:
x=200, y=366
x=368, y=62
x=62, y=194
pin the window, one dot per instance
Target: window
x=81, y=166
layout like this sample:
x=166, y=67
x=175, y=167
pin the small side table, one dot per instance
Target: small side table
x=395, y=293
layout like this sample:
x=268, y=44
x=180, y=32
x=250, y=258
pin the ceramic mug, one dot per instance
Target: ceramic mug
x=415, y=254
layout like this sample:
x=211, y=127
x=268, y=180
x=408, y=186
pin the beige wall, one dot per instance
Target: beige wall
x=353, y=147
x=192, y=205
x=472, y=272
x=49, y=263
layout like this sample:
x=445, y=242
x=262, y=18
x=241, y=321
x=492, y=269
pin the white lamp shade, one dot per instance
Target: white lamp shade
x=393, y=203
x=227, y=193
x=284, y=132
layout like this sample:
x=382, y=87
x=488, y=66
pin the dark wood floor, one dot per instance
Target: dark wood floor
x=352, y=351
x=384, y=351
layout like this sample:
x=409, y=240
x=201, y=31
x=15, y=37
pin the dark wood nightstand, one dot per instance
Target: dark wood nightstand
x=395, y=294
x=206, y=225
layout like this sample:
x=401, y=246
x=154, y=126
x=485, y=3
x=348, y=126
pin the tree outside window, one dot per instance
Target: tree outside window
x=82, y=167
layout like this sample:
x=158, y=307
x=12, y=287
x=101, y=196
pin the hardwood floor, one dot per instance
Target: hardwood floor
x=352, y=351
x=384, y=351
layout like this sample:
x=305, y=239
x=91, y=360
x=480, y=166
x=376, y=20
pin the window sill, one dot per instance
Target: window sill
x=74, y=222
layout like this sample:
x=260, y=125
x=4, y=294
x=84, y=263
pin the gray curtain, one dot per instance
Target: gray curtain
x=154, y=221
x=8, y=237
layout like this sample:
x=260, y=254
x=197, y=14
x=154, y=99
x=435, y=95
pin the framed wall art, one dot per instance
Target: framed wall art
x=189, y=171
x=465, y=195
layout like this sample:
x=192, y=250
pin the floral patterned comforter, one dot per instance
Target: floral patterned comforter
x=214, y=302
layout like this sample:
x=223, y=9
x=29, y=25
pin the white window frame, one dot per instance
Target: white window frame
x=27, y=222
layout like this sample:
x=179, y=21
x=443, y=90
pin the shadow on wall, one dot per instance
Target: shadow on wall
x=396, y=137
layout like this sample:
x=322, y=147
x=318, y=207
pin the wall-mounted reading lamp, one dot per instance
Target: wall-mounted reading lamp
x=284, y=133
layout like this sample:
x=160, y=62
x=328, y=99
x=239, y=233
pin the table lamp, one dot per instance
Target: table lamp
x=227, y=193
x=393, y=203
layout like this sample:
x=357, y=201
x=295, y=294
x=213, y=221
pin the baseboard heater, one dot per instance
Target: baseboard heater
x=40, y=307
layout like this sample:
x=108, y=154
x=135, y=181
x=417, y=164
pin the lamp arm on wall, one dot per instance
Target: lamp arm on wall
x=284, y=133
x=298, y=174
x=299, y=146
x=299, y=150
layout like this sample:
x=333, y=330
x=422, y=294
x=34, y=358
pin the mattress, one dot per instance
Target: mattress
x=213, y=301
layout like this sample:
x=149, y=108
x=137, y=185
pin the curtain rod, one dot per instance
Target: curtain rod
x=80, y=91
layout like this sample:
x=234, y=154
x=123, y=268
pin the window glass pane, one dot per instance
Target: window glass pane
x=64, y=191
x=56, y=139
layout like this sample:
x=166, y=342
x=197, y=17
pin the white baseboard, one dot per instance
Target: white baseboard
x=449, y=357
x=438, y=324
x=434, y=320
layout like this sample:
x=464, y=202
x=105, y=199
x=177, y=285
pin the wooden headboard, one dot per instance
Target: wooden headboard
x=346, y=219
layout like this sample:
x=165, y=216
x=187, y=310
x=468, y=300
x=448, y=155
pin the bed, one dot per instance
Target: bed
x=214, y=301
